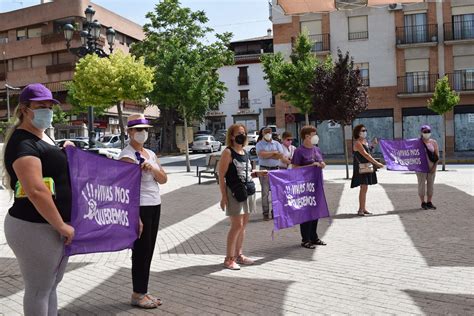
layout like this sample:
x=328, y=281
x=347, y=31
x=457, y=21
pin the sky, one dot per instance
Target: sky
x=244, y=18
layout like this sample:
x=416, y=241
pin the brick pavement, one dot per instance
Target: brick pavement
x=400, y=261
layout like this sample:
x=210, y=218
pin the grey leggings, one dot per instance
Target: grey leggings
x=39, y=250
x=428, y=179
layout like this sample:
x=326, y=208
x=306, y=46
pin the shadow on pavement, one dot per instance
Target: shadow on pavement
x=444, y=237
x=258, y=240
x=189, y=290
x=11, y=279
x=443, y=303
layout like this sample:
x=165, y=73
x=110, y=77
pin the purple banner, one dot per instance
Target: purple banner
x=297, y=196
x=105, y=202
x=405, y=155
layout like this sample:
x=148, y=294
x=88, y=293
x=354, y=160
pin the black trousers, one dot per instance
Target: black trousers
x=308, y=231
x=143, y=248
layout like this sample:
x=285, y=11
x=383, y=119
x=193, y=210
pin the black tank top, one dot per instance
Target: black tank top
x=237, y=169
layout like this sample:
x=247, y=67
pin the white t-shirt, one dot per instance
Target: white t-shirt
x=288, y=153
x=149, y=188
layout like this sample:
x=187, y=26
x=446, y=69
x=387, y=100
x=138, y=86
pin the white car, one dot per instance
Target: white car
x=112, y=141
x=206, y=143
x=99, y=148
x=252, y=137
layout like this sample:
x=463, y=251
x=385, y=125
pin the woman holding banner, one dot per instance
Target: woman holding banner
x=36, y=226
x=363, y=177
x=150, y=208
x=432, y=151
x=308, y=154
x=238, y=193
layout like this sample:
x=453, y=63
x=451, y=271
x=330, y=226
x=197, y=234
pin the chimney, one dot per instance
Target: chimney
x=269, y=32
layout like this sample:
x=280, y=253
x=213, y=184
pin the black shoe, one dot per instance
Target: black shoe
x=424, y=206
x=430, y=206
x=266, y=217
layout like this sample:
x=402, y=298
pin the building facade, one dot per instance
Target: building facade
x=33, y=49
x=248, y=100
x=401, y=50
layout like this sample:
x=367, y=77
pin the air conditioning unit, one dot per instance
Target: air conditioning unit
x=395, y=6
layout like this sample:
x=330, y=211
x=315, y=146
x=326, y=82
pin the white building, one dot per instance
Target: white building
x=248, y=99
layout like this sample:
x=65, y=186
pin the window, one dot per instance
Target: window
x=4, y=38
x=416, y=29
x=34, y=32
x=21, y=34
x=364, y=72
x=20, y=63
x=463, y=73
x=314, y=30
x=63, y=58
x=244, y=99
x=417, y=75
x=41, y=60
x=463, y=26
x=243, y=78
x=358, y=27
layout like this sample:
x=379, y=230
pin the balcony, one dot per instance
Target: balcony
x=417, y=35
x=365, y=82
x=321, y=43
x=243, y=81
x=244, y=104
x=3, y=76
x=459, y=31
x=462, y=80
x=358, y=35
x=420, y=83
x=53, y=69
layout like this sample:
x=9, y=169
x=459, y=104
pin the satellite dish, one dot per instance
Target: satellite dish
x=392, y=5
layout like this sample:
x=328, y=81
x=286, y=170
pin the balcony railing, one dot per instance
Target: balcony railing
x=462, y=80
x=3, y=76
x=321, y=42
x=52, y=69
x=243, y=81
x=244, y=103
x=427, y=33
x=458, y=31
x=417, y=82
x=358, y=35
x=365, y=82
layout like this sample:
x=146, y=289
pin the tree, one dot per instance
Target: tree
x=104, y=82
x=59, y=116
x=338, y=95
x=444, y=100
x=186, y=79
x=291, y=79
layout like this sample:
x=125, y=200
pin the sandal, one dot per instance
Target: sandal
x=154, y=299
x=230, y=263
x=319, y=242
x=308, y=244
x=361, y=213
x=241, y=259
x=143, y=301
x=367, y=212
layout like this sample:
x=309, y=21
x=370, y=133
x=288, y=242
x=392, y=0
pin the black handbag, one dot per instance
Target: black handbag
x=242, y=190
x=432, y=156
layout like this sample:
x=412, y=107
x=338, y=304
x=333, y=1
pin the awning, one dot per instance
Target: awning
x=318, y=6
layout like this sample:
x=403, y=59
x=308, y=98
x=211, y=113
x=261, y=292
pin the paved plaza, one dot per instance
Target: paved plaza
x=402, y=260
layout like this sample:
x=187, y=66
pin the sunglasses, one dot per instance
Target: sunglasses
x=139, y=157
x=363, y=130
x=426, y=132
x=289, y=139
x=139, y=129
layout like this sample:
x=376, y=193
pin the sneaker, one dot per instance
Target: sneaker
x=241, y=259
x=230, y=264
x=430, y=206
x=424, y=206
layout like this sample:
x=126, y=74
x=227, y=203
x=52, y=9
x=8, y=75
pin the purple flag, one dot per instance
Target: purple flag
x=405, y=155
x=297, y=196
x=105, y=202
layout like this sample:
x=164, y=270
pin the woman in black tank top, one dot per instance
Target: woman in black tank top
x=234, y=170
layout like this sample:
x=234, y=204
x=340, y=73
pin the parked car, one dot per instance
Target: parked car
x=99, y=148
x=220, y=135
x=203, y=132
x=206, y=143
x=112, y=141
x=252, y=137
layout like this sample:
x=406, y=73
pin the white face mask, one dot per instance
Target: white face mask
x=141, y=137
x=315, y=139
x=363, y=134
x=267, y=136
x=426, y=135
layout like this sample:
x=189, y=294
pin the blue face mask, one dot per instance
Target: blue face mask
x=42, y=118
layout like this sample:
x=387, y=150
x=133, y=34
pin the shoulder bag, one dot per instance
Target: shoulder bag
x=364, y=168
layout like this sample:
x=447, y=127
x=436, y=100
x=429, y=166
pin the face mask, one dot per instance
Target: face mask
x=363, y=134
x=315, y=139
x=426, y=135
x=267, y=136
x=140, y=137
x=42, y=118
x=287, y=143
x=240, y=139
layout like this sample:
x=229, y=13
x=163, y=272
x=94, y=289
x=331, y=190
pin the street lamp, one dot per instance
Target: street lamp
x=8, y=87
x=90, y=45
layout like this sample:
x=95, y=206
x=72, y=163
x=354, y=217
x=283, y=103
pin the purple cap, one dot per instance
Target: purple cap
x=425, y=127
x=36, y=92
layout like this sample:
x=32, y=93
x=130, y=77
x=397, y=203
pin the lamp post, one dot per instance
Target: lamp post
x=90, y=45
x=9, y=87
